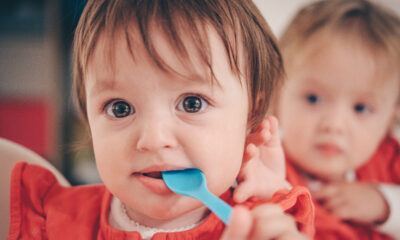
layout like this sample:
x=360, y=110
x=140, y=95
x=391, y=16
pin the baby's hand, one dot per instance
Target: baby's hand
x=263, y=170
x=267, y=221
x=357, y=202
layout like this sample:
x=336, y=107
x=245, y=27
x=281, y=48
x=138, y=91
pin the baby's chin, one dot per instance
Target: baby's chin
x=324, y=170
x=187, y=212
x=328, y=174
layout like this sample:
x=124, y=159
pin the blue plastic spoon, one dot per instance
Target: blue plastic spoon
x=192, y=182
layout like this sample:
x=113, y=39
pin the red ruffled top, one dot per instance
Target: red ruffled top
x=383, y=167
x=43, y=209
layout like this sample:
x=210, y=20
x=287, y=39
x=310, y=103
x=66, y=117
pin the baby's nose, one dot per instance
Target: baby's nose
x=155, y=134
x=334, y=120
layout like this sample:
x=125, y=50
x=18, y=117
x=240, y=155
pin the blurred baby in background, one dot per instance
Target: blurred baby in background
x=336, y=111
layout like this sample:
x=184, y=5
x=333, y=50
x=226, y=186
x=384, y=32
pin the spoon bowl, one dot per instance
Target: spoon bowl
x=191, y=182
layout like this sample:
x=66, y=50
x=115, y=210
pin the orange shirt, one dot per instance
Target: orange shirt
x=383, y=167
x=43, y=209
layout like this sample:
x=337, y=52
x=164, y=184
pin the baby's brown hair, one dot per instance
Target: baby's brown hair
x=375, y=26
x=241, y=27
x=371, y=25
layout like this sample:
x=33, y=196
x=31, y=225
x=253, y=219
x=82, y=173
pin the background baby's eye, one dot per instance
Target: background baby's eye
x=312, y=98
x=192, y=104
x=119, y=109
x=360, y=108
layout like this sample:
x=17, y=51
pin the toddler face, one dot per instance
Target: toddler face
x=336, y=106
x=144, y=120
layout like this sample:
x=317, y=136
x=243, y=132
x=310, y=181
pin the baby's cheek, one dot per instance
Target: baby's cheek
x=221, y=180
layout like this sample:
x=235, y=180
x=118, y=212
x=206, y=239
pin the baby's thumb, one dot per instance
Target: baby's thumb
x=239, y=225
x=243, y=191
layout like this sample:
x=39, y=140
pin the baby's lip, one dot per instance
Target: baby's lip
x=155, y=171
x=153, y=175
x=329, y=148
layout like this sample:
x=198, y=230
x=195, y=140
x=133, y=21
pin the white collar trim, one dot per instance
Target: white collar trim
x=119, y=219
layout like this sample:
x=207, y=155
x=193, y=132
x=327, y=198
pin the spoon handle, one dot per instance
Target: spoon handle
x=216, y=205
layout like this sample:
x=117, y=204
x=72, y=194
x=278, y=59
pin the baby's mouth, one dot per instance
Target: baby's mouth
x=152, y=180
x=156, y=175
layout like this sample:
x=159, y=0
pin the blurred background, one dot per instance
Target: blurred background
x=36, y=106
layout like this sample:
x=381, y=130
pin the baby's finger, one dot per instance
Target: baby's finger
x=239, y=225
x=273, y=123
x=261, y=133
x=326, y=192
x=278, y=228
x=267, y=210
x=263, y=125
x=293, y=236
x=273, y=131
x=270, y=222
x=333, y=202
x=266, y=137
x=343, y=212
x=250, y=152
x=243, y=191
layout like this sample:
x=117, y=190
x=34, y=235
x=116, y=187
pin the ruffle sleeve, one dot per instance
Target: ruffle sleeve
x=296, y=202
x=29, y=186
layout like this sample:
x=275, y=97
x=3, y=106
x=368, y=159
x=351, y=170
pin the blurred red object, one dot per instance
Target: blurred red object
x=28, y=122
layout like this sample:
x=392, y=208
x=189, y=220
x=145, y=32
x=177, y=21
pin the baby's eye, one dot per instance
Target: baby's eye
x=312, y=98
x=119, y=109
x=192, y=104
x=360, y=108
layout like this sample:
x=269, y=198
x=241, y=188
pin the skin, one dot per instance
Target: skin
x=142, y=120
x=263, y=172
x=266, y=221
x=335, y=109
x=160, y=134
x=353, y=201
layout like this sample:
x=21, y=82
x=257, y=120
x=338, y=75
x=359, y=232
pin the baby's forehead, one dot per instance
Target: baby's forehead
x=352, y=47
x=337, y=64
x=187, y=59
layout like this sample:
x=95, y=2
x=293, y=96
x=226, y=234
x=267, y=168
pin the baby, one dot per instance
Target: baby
x=166, y=85
x=336, y=111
